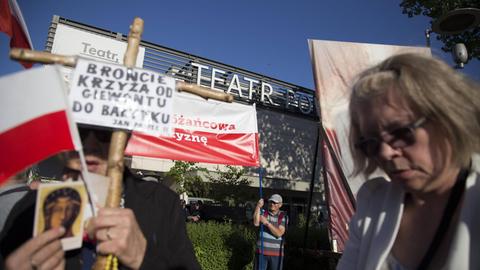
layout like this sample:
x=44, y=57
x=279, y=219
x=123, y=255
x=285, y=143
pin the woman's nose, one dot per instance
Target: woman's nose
x=387, y=152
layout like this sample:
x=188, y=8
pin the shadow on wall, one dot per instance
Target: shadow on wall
x=287, y=146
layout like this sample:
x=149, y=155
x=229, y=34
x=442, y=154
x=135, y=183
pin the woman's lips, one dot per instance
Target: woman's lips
x=402, y=174
x=397, y=172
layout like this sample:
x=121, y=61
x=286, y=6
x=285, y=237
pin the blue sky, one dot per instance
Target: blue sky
x=264, y=36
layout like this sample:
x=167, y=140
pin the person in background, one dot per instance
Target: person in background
x=10, y=193
x=270, y=245
x=185, y=211
x=195, y=212
x=418, y=120
x=140, y=239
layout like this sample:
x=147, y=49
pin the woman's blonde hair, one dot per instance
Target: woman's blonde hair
x=428, y=87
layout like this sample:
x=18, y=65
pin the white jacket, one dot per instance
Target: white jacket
x=374, y=226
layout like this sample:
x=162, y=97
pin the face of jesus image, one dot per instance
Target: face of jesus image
x=61, y=208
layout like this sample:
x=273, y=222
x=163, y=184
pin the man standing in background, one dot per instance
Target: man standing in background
x=270, y=245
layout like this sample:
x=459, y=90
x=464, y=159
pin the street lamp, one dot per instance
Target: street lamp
x=453, y=23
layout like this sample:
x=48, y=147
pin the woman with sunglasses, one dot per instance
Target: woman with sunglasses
x=417, y=120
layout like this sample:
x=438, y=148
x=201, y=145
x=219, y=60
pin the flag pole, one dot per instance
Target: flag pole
x=260, y=256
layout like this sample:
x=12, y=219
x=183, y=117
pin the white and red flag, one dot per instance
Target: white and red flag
x=12, y=23
x=205, y=131
x=35, y=119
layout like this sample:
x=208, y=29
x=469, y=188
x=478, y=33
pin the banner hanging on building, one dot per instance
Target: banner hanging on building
x=205, y=131
x=335, y=66
x=70, y=40
x=36, y=121
x=74, y=41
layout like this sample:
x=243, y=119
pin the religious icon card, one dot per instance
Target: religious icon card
x=62, y=204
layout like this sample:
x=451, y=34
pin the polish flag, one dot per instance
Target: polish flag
x=36, y=121
x=12, y=23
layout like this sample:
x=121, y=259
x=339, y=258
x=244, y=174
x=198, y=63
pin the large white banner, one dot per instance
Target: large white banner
x=205, y=131
x=335, y=67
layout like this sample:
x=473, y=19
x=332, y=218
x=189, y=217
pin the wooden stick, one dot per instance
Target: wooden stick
x=119, y=137
x=203, y=91
x=49, y=58
x=42, y=57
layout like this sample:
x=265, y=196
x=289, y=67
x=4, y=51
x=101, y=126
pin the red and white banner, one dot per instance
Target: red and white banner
x=205, y=131
x=12, y=23
x=35, y=119
x=335, y=66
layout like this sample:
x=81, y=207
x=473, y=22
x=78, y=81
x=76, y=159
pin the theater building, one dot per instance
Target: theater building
x=286, y=113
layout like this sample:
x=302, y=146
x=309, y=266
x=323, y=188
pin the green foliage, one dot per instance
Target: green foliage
x=185, y=175
x=31, y=174
x=436, y=9
x=222, y=245
x=224, y=185
x=228, y=185
x=229, y=246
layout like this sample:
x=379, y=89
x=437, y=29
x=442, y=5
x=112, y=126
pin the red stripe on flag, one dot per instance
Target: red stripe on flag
x=196, y=146
x=340, y=206
x=32, y=142
x=9, y=24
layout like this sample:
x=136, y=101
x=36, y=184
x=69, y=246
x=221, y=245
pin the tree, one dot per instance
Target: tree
x=228, y=185
x=435, y=9
x=185, y=175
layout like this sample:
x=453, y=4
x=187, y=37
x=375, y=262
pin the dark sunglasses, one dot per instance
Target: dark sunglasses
x=103, y=136
x=401, y=137
x=272, y=202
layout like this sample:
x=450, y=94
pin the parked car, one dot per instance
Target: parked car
x=213, y=210
x=204, y=201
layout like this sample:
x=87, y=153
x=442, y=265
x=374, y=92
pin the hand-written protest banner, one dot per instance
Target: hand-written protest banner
x=119, y=97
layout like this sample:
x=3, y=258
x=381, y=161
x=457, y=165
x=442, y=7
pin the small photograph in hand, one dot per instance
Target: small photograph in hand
x=62, y=204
